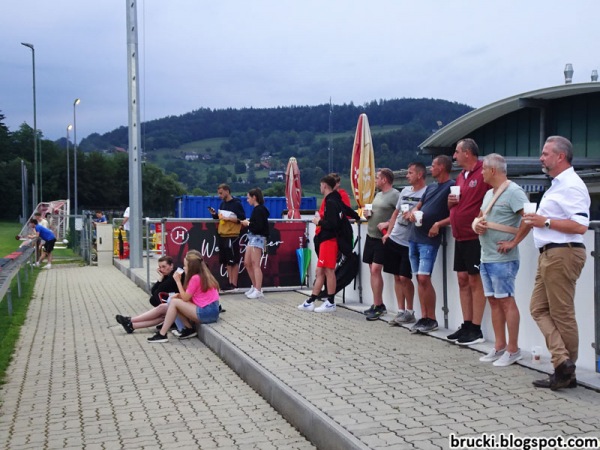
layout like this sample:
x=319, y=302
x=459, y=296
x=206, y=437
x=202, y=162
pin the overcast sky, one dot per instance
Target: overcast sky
x=265, y=53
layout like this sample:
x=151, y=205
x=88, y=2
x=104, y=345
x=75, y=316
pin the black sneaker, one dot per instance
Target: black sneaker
x=418, y=325
x=125, y=322
x=470, y=337
x=430, y=325
x=221, y=309
x=158, y=338
x=369, y=310
x=377, y=312
x=160, y=325
x=457, y=334
x=188, y=333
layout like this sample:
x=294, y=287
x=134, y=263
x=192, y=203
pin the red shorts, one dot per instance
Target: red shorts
x=328, y=252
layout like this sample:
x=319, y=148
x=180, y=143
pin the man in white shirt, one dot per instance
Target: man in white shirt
x=558, y=227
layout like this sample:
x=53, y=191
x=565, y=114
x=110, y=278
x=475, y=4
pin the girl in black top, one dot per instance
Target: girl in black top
x=258, y=232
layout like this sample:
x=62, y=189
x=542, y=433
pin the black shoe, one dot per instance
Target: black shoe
x=188, y=333
x=430, y=325
x=457, y=334
x=565, y=369
x=158, y=338
x=121, y=319
x=416, y=328
x=377, y=312
x=125, y=322
x=369, y=310
x=553, y=384
x=221, y=309
x=470, y=337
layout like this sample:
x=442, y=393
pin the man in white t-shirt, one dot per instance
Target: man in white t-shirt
x=125, y=223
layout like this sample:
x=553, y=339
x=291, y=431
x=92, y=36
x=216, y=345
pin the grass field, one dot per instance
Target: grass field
x=10, y=325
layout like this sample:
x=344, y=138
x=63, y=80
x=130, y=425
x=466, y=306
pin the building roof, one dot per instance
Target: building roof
x=446, y=137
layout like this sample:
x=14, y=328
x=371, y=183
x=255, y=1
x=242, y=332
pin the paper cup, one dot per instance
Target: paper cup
x=369, y=207
x=455, y=190
x=418, y=218
x=179, y=270
x=404, y=207
x=529, y=208
x=536, y=354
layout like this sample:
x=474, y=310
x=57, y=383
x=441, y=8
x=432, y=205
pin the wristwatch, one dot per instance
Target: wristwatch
x=547, y=224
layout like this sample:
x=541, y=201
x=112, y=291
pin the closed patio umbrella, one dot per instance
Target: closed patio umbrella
x=293, y=190
x=362, y=169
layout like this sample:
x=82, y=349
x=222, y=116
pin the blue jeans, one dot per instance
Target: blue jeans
x=208, y=314
x=499, y=278
x=422, y=257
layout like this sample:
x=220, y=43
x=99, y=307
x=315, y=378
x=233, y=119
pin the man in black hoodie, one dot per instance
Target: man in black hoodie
x=330, y=224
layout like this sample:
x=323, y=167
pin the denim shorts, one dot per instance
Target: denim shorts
x=208, y=314
x=499, y=278
x=422, y=257
x=255, y=240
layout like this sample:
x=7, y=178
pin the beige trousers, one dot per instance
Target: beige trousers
x=552, y=301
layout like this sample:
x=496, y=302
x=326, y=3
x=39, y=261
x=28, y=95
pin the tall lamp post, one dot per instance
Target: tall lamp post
x=35, y=150
x=69, y=128
x=75, y=103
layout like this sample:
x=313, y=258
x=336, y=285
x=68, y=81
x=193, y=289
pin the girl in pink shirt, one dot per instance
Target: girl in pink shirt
x=196, y=301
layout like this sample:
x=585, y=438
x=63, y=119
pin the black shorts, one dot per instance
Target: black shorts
x=373, y=251
x=229, y=250
x=397, y=261
x=49, y=246
x=467, y=256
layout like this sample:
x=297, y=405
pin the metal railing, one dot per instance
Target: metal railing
x=13, y=269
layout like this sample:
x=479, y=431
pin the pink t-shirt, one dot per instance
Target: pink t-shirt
x=200, y=298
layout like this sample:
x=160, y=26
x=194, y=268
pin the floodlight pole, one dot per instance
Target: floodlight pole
x=35, y=146
x=135, y=163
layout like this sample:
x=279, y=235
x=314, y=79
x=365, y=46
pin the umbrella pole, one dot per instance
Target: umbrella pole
x=359, y=260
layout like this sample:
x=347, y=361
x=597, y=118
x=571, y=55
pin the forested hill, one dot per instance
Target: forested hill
x=173, y=131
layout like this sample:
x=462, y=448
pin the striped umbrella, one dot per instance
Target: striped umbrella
x=362, y=169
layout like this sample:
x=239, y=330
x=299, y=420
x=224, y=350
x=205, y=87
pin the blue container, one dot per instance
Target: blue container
x=196, y=207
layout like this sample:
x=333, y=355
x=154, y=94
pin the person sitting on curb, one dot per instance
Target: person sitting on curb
x=196, y=301
x=160, y=290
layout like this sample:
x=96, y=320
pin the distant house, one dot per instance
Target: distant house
x=206, y=157
x=191, y=156
x=120, y=150
x=266, y=156
x=276, y=175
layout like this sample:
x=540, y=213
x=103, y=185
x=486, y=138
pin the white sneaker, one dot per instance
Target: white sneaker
x=256, y=294
x=493, y=355
x=37, y=264
x=47, y=266
x=307, y=306
x=326, y=307
x=508, y=358
x=249, y=291
x=176, y=333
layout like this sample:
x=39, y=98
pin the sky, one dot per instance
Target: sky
x=267, y=53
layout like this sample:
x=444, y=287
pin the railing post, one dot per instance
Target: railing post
x=9, y=301
x=445, y=276
x=19, y=282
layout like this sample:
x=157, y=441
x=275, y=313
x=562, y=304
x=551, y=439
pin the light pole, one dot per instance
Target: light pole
x=75, y=103
x=69, y=128
x=35, y=150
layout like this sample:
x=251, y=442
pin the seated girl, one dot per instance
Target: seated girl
x=196, y=302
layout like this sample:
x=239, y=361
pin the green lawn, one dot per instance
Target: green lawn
x=10, y=325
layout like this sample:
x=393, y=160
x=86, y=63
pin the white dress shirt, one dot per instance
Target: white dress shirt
x=567, y=198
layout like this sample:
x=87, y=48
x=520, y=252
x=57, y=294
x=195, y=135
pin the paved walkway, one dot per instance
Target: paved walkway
x=79, y=381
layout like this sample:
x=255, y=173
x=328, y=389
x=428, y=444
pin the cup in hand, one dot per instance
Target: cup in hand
x=418, y=218
x=529, y=208
x=455, y=190
x=404, y=207
x=179, y=270
x=368, y=210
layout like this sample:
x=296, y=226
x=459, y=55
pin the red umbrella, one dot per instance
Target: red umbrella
x=293, y=191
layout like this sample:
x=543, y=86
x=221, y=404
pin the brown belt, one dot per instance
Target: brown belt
x=566, y=244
